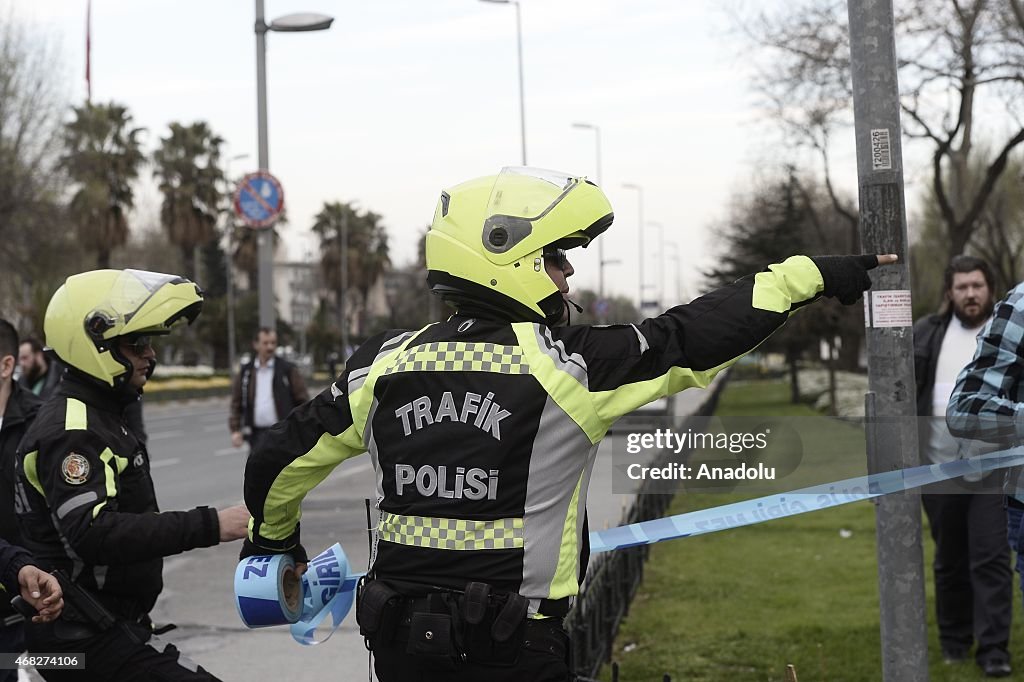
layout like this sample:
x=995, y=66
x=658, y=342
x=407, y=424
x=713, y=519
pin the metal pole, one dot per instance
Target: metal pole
x=600, y=242
x=522, y=96
x=640, y=239
x=675, y=258
x=266, y=235
x=640, y=231
x=232, y=355
x=883, y=229
x=343, y=295
x=231, y=299
x=661, y=263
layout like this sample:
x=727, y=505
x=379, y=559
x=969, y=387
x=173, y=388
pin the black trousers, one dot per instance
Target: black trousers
x=12, y=641
x=127, y=652
x=543, y=658
x=256, y=438
x=973, y=578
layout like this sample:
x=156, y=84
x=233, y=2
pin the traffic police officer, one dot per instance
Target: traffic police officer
x=83, y=491
x=483, y=429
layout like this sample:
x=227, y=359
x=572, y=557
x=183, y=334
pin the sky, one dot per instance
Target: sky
x=402, y=98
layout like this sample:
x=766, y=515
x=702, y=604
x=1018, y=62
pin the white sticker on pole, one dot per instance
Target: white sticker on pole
x=891, y=308
x=881, y=151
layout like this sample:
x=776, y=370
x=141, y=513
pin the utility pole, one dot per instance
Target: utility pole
x=892, y=443
x=343, y=293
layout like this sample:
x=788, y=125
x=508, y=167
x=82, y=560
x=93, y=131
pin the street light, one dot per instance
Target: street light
x=519, y=45
x=230, y=270
x=600, y=242
x=661, y=261
x=640, y=234
x=290, y=23
x=675, y=257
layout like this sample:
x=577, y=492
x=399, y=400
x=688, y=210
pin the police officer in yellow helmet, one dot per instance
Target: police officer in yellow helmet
x=83, y=491
x=483, y=428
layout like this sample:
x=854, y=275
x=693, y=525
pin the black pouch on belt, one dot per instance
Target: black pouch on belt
x=432, y=635
x=377, y=612
x=475, y=610
x=508, y=630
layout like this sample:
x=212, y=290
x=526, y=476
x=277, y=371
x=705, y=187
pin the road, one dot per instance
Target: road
x=194, y=464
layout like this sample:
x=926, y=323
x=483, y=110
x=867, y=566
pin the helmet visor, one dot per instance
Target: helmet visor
x=134, y=287
x=520, y=198
x=528, y=193
x=128, y=293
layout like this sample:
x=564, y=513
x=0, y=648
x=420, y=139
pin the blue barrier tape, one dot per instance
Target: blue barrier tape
x=826, y=495
x=328, y=587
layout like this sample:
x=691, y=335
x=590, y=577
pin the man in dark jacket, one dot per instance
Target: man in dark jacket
x=20, y=576
x=264, y=392
x=18, y=408
x=39, y=374
x=973, y=579
x=83, y=491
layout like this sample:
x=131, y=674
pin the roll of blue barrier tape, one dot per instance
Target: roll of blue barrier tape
x=328, y=592
x=259, y=591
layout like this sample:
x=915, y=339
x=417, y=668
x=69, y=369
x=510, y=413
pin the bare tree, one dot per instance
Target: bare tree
x=34, y=247
x=958, y=59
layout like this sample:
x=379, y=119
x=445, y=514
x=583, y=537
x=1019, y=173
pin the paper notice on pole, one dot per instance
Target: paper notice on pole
x=891, y=308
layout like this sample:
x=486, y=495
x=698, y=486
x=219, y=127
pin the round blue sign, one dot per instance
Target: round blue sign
x=259, y=199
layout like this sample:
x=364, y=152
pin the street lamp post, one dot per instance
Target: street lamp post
x=343, y=293
x=519, y=46
x=640, y=237
x=230, y=270
x=600, y=242
x=675, y=257
x=290, y=23
x=661, y=262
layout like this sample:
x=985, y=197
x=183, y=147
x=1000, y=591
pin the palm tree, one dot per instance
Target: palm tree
x=190, y=180
x=102, y=156
x=367, y=247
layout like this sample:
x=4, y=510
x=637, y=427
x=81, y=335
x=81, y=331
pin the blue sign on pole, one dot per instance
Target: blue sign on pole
x=259, y=199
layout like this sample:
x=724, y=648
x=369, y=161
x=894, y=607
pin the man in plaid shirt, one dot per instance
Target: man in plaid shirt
x=988, y=402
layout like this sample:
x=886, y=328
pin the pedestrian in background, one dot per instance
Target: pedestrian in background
x=266, y=389
x=973, y=578
x=39, y=374
x=18, y=407
x=483, y=429
x=84, y=494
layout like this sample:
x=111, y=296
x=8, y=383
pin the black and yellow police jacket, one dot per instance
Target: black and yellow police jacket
x=483, y=433
x=86, y=504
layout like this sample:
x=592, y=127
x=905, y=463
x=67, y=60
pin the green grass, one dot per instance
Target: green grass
x=739, y=605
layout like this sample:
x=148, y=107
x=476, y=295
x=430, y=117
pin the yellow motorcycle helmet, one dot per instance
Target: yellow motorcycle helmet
x=91, y=310
x=487, y=241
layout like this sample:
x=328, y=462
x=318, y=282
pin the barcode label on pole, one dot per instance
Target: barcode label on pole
x=881, y=152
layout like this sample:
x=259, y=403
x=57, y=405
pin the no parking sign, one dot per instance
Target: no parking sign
x=259, y=199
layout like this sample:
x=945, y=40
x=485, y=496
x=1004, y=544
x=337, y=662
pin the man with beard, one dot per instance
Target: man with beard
x=39, y=374
x=973, y=580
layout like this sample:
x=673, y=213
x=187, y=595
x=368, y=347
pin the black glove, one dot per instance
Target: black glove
x=845, y=277
x=249, y=549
